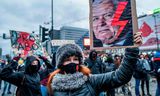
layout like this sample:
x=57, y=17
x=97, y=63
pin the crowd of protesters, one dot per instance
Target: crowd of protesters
x=69, y=74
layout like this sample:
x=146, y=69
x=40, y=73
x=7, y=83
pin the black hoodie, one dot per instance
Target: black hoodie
x=28, y=82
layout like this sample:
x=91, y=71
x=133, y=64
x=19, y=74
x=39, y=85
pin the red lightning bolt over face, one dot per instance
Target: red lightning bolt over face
x=116, y=22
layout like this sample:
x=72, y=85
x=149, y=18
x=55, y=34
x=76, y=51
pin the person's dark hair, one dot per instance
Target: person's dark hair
x=7, y=56
x=92, y=54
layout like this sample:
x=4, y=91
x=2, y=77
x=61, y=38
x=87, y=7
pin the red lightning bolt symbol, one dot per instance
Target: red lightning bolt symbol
x=116, y=22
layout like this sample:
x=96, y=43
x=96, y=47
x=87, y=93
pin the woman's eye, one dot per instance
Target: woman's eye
x=76, y=59
x=66, y=59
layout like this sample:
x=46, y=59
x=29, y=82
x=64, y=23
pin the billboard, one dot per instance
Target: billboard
x=150, y=27
x=112, y=23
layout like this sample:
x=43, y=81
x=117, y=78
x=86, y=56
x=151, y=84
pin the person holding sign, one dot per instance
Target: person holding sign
x=74, y=79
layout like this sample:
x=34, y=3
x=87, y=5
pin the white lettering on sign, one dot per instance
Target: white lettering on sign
x=62, y=42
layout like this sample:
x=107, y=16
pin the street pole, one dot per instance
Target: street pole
x=52, y=27
x=156, y=32
x=40, y=32
x=52, y=14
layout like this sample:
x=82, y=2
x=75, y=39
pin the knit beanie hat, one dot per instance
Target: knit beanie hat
x=67, y=50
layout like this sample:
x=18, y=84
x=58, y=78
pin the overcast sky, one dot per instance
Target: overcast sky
x=27, y=15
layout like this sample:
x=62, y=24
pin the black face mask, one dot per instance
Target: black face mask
x=70, y=68
x=94, y=56
x=34, y=68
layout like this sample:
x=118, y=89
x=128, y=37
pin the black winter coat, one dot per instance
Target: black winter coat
x=156, y=68
x=101, y=82
x=139, y=71
x=27, y=82
x=96, y=66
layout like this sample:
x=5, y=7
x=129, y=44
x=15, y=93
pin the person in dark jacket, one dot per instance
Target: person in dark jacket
x=27, y=82
x=110, y=66
x=7, y=86
x=94, y=63
x=2, y=64
x=145, y=79
x=73, y=79
x=156, y=61
x=44, y=74
x=138, y=75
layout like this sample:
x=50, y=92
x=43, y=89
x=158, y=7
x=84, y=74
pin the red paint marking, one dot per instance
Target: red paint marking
x=116, y=22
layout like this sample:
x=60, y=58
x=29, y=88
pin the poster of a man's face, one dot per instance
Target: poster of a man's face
x=111, y=23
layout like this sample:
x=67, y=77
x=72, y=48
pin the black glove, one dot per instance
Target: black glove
x=42, y=57
x=132, y=51
x=14, y=64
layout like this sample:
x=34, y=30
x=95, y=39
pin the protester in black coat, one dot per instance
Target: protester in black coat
x=44, y=73
x=27, y=82
x=94, y=63
x=156, y=62
x=139, y=74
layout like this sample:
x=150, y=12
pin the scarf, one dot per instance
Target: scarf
x=64, y=82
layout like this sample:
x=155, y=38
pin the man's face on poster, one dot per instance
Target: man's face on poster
x=102, y=19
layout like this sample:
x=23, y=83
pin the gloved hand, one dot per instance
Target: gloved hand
x=132, y=52
x=14, y=64
x=42, y=57
x=16, y=58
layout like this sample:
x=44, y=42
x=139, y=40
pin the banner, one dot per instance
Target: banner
x=150, y=27
x=26, y=43
x=112, y=23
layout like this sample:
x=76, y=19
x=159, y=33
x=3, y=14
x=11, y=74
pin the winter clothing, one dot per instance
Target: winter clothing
x=49, y=68
x=157, y=66
x=139, y=72
x=92, y=85
x=146, y=78
x=66, y=51
x=95, y=65
x=27, y=82
x=110, y=66
x=44, y=73
x=157, y=71
x=68, y=81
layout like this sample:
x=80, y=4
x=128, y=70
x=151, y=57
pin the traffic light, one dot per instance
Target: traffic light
x=45, y=34
x=4, y=36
